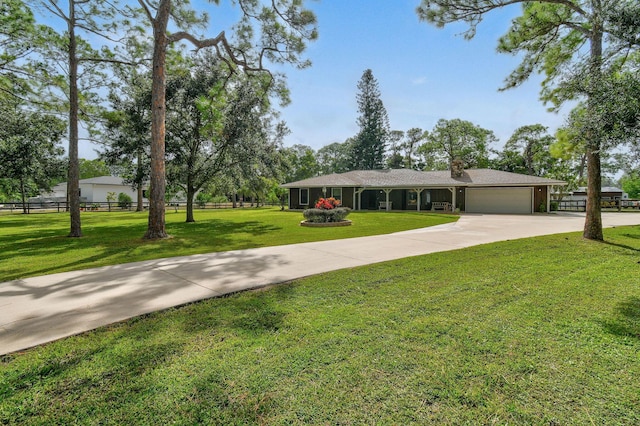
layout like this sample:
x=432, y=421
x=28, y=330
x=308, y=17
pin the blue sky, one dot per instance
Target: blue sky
x=424, y=73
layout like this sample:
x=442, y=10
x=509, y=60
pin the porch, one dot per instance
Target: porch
x=417, y=199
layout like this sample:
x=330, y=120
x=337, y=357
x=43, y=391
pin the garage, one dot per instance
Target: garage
x=499, y=200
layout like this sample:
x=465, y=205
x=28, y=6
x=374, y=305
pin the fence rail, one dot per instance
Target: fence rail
x=581, y=205
x=61, y=206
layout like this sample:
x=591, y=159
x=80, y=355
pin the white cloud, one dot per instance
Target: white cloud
x=419, y=81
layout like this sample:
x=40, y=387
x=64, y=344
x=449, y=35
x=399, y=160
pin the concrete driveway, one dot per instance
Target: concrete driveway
x=42, y=309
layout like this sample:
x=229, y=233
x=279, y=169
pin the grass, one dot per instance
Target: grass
x=37, y=244
x=535, y=331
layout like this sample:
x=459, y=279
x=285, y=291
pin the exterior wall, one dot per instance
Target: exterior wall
x=93, y=193
x=294, y=199
x=99, y=192
x=461, y=195
x=314, y=195
x=400, y=198
x=347, y=197
x=86, y=193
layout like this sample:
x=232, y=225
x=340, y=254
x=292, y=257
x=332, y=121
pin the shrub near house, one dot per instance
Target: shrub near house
x=327, y=210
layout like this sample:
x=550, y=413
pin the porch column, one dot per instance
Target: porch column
x=354, y=198
x=418, y=200
x=387, y=192
x=453, y=198
x=357, y=192
x=549, y=189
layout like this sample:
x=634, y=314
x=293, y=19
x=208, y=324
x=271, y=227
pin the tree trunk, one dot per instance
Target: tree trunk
x=156, y=225
x=190, y=196
x=73, y=184
x=593, y=220
x=139, y=192
x=23, y=196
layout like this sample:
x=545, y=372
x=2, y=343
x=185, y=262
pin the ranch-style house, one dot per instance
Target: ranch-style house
x=471, y=191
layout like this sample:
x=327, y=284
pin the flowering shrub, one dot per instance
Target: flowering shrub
x=326, y=215
x=326, y=210
x=327, y=203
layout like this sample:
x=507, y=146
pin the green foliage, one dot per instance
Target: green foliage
x=9, y=190
x=220, y=199
x=126, y=129
x=30, y=151
x=335, y=157
x=93, y=168
x=369, y=145
x=582, y=48
x=284, y=28
x=631, y=185
x=300, y=162
x=203, y=198
x=527, y=152
x=457, y=139
x=111, y=196
x=124, y=200
x=219, y=128
x=525, y=332
x=17, y=28
x=413, y=138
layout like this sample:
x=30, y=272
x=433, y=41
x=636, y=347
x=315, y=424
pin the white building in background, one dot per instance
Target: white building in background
x=93, y=190
x=609, y=193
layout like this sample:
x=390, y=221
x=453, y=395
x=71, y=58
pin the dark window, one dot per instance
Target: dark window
x=304, y=196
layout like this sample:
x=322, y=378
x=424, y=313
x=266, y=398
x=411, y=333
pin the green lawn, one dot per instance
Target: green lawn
x=542, y=331
x=37, y=244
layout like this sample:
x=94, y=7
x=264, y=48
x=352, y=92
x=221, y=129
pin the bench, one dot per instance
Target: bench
x=441, y=205
x=383, y=205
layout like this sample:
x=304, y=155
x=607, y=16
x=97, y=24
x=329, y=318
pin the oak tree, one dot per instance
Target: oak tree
x=284, y=27
x=457, y=140
x=30, y=150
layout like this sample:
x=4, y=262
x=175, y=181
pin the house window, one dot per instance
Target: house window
x=336, y=193
x=304, y=196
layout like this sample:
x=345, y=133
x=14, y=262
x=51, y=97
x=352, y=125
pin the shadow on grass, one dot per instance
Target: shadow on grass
x=624, y=246
x=88, y=299
x=627, y=320
x=111, y=243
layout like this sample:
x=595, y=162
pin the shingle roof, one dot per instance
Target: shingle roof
x=405, y=178
x=104, y=180
x=583, y=189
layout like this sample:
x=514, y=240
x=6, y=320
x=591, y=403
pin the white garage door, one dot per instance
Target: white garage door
x=499, y=200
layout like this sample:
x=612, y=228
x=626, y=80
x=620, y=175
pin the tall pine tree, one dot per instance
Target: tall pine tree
x=369, y=145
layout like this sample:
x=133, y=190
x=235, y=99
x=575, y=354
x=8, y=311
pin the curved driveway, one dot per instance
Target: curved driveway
x=42, y=309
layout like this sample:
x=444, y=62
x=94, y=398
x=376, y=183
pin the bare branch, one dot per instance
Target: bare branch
x=146, y=9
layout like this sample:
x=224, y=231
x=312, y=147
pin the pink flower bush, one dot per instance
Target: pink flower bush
x=327, y=203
